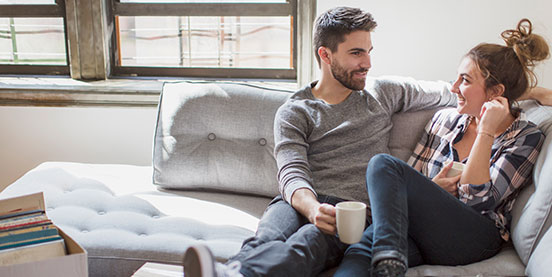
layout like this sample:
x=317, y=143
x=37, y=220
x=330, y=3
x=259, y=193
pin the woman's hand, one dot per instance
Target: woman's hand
x=447, y=183
x=493, y=114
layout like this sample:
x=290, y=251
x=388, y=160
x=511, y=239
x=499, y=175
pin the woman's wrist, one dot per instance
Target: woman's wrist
x=485, y=133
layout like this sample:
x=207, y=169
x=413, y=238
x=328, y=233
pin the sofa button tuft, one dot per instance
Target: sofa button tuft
x=262, y=142
x=211, y=136
x=155, y=216
x=142, y=235
x=84, y=231
x=101, y=212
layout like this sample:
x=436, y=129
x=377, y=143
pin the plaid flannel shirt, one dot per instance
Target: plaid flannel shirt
x=513, y=156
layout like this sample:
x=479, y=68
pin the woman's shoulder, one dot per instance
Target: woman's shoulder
x=448, y=118
x=447, y=113
x=528, y=129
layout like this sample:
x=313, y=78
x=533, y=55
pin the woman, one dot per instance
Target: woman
x=461, y=219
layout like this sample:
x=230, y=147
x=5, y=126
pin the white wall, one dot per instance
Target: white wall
x=426, y=39
x=31, y=135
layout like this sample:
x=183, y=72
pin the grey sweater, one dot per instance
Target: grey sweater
x=326, y=148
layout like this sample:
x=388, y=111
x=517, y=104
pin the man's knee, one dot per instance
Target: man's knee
x=310, y=231
x=312, y=237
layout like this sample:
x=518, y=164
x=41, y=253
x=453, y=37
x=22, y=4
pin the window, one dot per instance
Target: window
x=32, y=37
x=201, y=38
x=183, y=38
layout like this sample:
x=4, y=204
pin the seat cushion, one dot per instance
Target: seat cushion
x=505, y=263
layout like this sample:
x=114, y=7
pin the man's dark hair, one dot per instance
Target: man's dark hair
x=332, y=26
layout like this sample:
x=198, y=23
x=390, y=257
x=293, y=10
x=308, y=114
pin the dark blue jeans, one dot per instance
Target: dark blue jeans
x=417, y=222
x=287, y=244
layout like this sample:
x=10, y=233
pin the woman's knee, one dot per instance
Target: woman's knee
x=380, y=161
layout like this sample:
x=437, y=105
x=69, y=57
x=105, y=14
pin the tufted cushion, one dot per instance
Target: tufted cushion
x=123, y=220
x=531, y=214
x=214, y=136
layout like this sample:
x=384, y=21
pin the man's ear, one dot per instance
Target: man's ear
x=325, y=54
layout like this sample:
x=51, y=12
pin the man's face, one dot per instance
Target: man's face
x=351, y=62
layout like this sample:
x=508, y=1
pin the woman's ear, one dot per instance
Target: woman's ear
x=324, y=54
x=497, y=90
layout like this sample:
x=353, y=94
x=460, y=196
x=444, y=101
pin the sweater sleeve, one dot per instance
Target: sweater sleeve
x=402, y=94
x=290, y=150
x=510, y=170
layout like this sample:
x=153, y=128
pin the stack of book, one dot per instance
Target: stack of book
x=28, y=235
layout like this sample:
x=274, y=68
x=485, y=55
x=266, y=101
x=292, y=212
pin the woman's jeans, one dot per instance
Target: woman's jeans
x=287, y=244
x=416, y=221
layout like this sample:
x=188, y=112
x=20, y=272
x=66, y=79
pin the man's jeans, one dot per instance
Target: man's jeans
x=416, y=221
x=287, y=244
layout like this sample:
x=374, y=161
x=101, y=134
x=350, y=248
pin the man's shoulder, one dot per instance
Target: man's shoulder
x=295, y=105
x=299, y=99
x=381, y=82
x=298, y=95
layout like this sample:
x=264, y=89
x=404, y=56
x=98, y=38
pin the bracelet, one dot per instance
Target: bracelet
x=485, y=133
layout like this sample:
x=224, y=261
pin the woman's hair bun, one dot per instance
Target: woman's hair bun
x=529, y=48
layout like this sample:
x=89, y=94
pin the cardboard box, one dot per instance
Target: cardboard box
x=75, y=263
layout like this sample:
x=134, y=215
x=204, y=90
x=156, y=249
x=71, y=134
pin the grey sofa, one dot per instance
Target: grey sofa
x=212, y=175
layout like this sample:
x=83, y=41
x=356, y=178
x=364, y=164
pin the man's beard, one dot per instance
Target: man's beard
x=346, y=78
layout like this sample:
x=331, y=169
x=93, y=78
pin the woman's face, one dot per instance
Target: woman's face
x=469, y=87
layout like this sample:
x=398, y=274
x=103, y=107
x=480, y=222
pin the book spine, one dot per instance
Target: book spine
x=17, y=224
x=28, y=235
x=21, y=230
x=31, y=241
x=20, y=214
x=25, y=218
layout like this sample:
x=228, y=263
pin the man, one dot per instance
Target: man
x=325, y=135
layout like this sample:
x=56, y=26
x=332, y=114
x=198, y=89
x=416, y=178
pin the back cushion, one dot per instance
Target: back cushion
x=407, y=130
x=531, y=212
x=217, y=136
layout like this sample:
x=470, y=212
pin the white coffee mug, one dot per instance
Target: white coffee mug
x=456, y=169
x=351, y=219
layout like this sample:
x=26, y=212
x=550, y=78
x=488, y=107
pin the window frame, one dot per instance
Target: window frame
x=87, y=80
x=98, y=59
x=289, y=8
x=36, y=10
